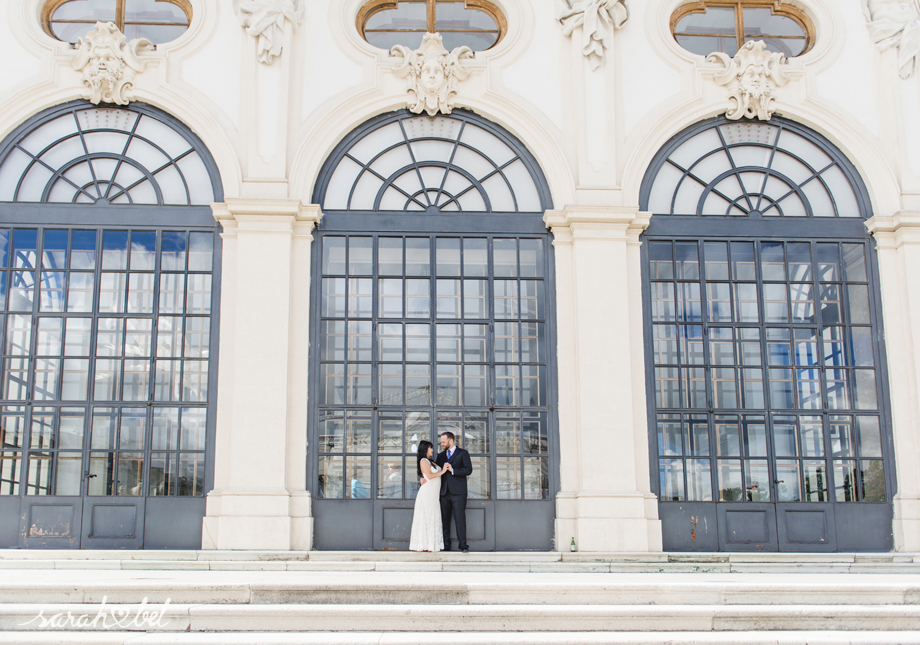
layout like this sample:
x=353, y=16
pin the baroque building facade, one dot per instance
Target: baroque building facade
x=651, y=261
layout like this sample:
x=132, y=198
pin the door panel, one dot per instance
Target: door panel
x=689, y=526
x=173, y=522
x=747, y=527
x=806, y=527
x=9, y=521
x=50, y=522
x=343, y=525
x=526, y=525
x=393, y=525
x=864, y=527
x=113, y=523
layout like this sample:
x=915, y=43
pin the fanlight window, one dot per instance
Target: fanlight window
x=754, y=169
x=478, y=24
x=441, y=164
x=158, y=21
x=101, y=155
x=725, y=25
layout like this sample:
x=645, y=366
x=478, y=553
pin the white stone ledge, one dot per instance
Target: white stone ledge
x=479, y=618
x=481, y=638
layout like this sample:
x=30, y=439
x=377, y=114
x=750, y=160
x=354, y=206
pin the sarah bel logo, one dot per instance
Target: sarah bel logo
x=106, y=618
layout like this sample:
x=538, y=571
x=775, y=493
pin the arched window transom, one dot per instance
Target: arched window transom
x=103, y=155
x=754, y=169
x=440, y=164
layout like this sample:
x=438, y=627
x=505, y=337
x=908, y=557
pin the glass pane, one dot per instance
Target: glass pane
x=162, y=474
x=815, y=480
x=842, y=437
x=201, y=251
x=69, y=466
x=872, y=481
x=52, y=290
x=330, y=478
x=660, y=261
x=757, y=481
x=390, y=256
x=390, y=477
x=787, y=487
x=418, y=256
x=504, y=258
x=845, y=478
x=870, y=443
x=730, y=481
x=358, y=477
x=333, y=256
x=854, y=262
x=448, y=256
x=536, y=478
x=508, y=477
x=687, y=260
x=165, y=434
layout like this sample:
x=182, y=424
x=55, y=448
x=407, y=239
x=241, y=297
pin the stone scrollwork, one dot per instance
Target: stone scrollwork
x=598, y=20
x=264, y=20
x=896, y=23
x=109, y=63
x=432, y=73
x=751, y=77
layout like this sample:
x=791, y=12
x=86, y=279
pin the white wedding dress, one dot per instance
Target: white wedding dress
x=427, y=532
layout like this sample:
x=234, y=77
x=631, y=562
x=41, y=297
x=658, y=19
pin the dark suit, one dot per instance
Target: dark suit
x=453, y=494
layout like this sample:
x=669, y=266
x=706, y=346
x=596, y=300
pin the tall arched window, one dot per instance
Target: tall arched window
x=766, y=370
x=109, y=274
x=433, y=309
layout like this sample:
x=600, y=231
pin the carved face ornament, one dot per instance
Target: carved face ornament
x=755, y=82
x=432, y=75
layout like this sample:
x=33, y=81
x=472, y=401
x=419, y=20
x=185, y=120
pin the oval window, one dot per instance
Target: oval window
x=725, y=25
x=475, y=23
x=158, y=21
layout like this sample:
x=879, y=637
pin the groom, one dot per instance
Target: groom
x=453, y=488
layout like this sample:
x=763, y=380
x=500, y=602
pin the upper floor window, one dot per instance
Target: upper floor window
x=711, y=26
x=475, y=23
x=158, y=21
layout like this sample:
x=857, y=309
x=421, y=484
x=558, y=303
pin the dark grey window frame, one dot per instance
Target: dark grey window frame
x=156, y=218
x=442, y=224
x=700, y=228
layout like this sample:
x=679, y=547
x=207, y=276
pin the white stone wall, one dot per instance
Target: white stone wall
x=270, y=127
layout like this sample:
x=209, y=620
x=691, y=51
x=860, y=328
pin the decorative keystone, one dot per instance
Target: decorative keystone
x=751, y=77
x=109, y=64
x=598, y=20
x=432, y=73
x=264, y=19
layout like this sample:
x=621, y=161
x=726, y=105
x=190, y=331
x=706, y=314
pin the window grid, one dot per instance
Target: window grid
x=797, y=313
x=433, y=332
x=409, y=28
x=731, y=34
x=68, y=26
x=82, y=354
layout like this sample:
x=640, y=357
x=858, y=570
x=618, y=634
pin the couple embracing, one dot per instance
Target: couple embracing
x=441, y=496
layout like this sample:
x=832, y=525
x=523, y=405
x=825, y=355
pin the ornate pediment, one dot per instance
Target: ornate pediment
x=109, y=64
x=432, y=74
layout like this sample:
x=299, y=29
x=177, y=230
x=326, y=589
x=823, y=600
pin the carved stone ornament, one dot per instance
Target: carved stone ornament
x=264, y=19
x=896, y=23
x=598, y=20
x=109, y=63
x=751, y=76
x=432, y=73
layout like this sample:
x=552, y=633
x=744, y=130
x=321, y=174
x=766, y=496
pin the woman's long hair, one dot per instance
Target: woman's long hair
x=423, y=447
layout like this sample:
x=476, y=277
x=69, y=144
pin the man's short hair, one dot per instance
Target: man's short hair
x=449, y=435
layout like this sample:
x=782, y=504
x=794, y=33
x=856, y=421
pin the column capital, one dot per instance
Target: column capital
x=892, y=231
x=597, y=222
x=266, y=215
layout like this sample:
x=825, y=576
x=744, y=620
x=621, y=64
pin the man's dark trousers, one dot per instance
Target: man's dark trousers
x=453, y=494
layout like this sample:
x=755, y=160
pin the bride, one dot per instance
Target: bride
x=427, y=534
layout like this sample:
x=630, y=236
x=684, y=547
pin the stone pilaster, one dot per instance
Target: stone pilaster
x=605, y=501
x=260, y=499
x=898, y=244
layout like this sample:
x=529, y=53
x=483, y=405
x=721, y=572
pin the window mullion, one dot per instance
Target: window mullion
x=120, y=14
x=431, y=14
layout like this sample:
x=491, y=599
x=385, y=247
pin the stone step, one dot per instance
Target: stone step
x=23, y=555
x=478, y=638
x=558, y=563
x=469, y=588
x=457, y=618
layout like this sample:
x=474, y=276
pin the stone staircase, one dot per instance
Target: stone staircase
x=396, y=598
